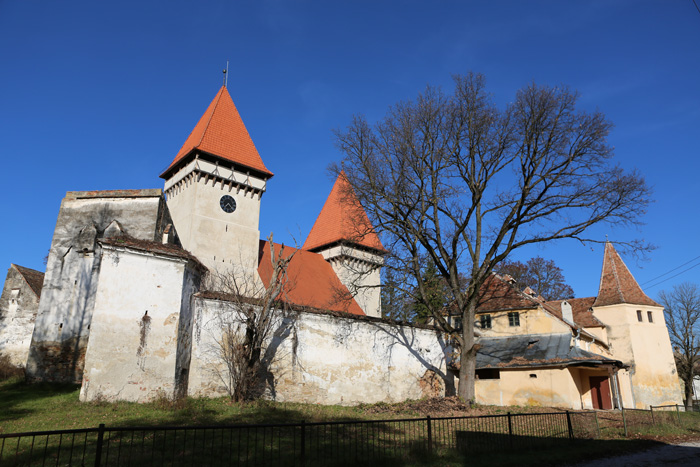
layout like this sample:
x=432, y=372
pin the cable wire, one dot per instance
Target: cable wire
x=675, y=275
x=670, y=271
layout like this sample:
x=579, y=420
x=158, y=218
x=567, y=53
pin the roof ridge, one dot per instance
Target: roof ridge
x=617, y=276
x=211, y=115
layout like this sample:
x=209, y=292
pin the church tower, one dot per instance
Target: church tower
x=637, y=334
x=213, y=189
x=344, y=235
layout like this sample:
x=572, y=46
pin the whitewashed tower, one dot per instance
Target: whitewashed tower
x=213, y=189
x=345, y=237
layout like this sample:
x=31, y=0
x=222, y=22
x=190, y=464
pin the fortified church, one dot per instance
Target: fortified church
x=122, y=307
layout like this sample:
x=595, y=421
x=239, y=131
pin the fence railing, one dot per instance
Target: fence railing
x=318, y=443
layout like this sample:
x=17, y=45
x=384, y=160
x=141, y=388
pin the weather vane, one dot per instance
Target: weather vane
x=226, y=75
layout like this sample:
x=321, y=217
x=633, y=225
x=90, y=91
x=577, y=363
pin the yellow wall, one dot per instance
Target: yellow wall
x=646, y=348
x=552, y=387
x=535, y=321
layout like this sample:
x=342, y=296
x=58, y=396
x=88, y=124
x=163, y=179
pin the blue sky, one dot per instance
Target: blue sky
x=101, y=95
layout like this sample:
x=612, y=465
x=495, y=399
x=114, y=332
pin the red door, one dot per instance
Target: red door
x=600, y=392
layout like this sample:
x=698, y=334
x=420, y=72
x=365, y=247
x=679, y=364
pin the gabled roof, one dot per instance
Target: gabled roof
x=311, y=281
x=32, y=277
x=580, y=308
x=342, y=219
x=617, y=285
x=221, y=132
x=496, y=294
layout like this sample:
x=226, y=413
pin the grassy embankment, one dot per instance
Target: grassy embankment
x=50, y=407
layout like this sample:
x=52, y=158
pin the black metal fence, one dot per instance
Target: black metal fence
x=322, y=443
x=639, y=420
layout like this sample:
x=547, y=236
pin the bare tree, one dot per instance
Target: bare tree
x=682, y=310
x=248, y=322
x=457, y=181
x=541, y=275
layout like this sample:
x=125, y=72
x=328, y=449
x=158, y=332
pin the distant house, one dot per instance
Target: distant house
x=19, y=304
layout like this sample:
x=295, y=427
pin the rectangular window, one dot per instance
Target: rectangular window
x=514, y=318
x=457, y=322
x=639, y=316
x=485, y=321
x=488, y=373
x=650, y=317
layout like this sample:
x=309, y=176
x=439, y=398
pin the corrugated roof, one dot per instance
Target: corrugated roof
x=32, y=277
x=221, y=132
x=342, y=219
x=311, y=281
x=534, y=350
x=617, y=285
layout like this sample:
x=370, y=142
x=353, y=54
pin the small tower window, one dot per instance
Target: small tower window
x=485, y=321
x=650, y=317
x=514, y=318
x=639, y=316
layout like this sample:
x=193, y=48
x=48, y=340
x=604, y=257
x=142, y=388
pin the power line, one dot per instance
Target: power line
x=675, y=275
x=670, y=271
x=696, y=6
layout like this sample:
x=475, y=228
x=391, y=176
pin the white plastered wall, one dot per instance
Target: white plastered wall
x=134, y=347
x=325, y=359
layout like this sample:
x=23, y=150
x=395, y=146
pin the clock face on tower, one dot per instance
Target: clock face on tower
x=227, y=203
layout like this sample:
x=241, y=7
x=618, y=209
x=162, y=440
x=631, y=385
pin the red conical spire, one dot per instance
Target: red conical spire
x=342, y=219
x=221, y=132
x=617, y=285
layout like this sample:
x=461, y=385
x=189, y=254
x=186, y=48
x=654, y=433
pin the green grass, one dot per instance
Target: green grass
x=40, y=407
x=37, y=407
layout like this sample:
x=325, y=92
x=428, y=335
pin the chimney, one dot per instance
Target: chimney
x=567, y=312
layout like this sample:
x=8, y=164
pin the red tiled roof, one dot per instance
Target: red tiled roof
x=221, y=132
x=33, y=278
x=496, y=294
x=342, y=219
x=580, y=308
x=617, y=285
x=311, y=281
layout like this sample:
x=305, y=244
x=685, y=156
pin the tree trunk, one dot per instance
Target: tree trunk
x=688, y=394
x=467, y=358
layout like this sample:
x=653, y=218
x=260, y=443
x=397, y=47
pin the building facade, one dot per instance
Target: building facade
x=127, y=309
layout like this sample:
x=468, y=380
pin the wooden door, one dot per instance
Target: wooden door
x=600, y=392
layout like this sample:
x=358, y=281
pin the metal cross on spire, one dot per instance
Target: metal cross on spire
x=226, y=75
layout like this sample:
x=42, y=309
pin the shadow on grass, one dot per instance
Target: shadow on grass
x=17, y=396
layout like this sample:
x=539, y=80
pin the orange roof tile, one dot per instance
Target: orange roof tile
x=617, y=285
x=311, y=281
x=221, y=132
x=342, y=219
x=580, y=308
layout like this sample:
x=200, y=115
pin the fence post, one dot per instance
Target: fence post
x=678, y=412
x=510, y=429
x=568, y=422
x=624, y=421
x=98, y=450
x=597, y=425
x=303, y=442
x=651, y=409
x=430, y=437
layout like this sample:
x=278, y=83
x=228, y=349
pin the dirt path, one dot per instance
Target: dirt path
x=682, y=454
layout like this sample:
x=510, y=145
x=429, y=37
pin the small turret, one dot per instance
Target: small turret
x=344, y=235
